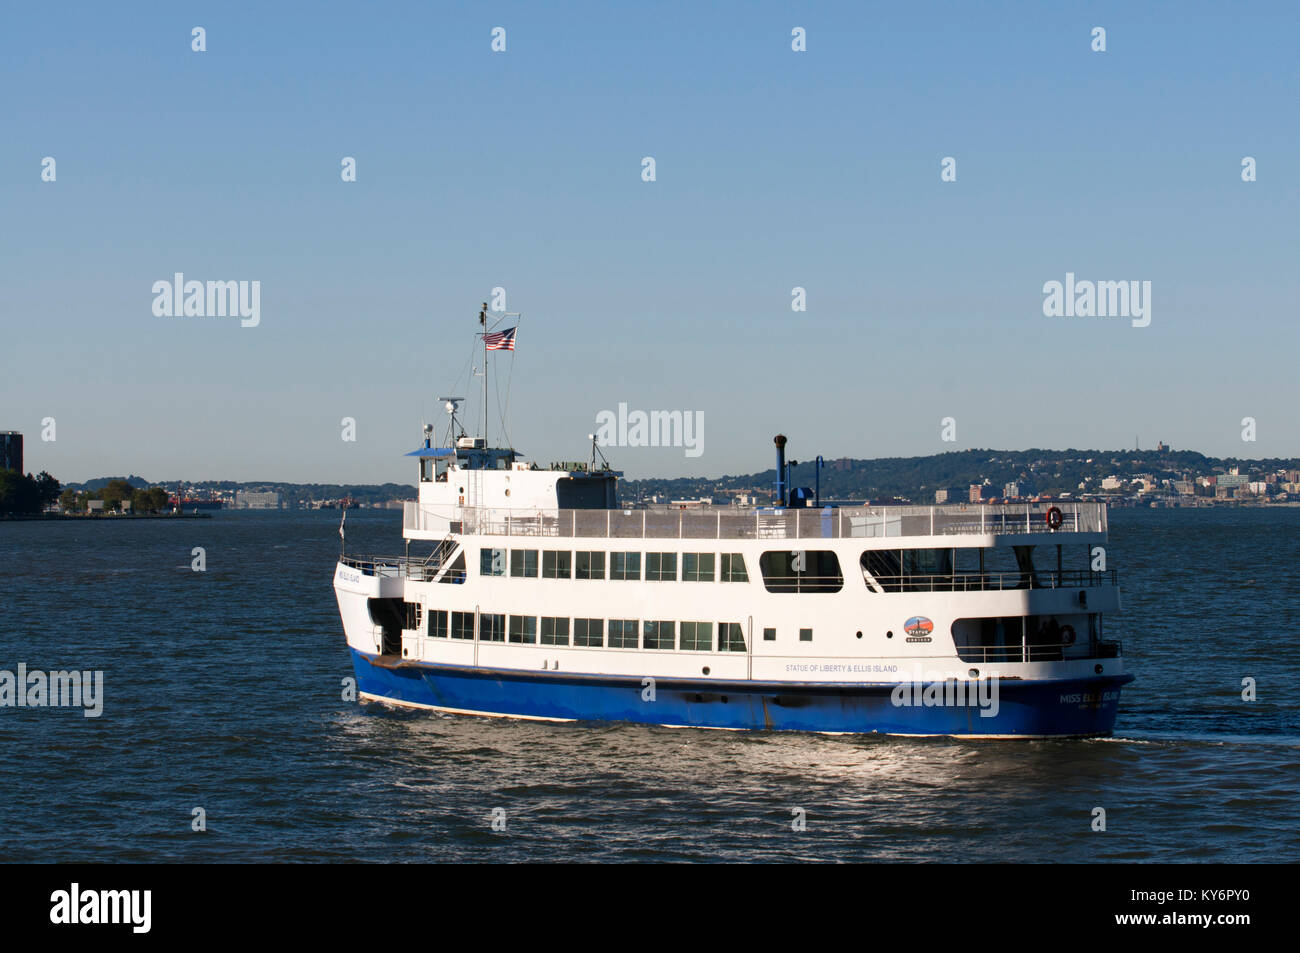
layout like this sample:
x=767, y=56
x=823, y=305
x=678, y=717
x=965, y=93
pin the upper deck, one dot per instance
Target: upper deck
x=760, y=522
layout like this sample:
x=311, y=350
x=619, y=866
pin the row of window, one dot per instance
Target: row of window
x=794, y=571
x=596, y=633
x=658, y=567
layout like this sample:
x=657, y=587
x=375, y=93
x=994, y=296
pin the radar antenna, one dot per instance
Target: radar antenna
x=452, y=406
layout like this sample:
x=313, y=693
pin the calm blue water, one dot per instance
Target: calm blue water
x=223, y=692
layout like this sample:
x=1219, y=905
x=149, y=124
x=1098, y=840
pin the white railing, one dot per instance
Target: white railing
x=762, y=523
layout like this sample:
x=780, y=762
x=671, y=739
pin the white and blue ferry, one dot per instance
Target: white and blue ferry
x=530, y=592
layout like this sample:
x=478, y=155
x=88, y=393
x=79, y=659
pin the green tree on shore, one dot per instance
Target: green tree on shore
x=26, y=494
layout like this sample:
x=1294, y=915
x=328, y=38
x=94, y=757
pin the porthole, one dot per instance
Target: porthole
x=974, y=673
x=859, y=635
x=889, y=635
x=705, y=670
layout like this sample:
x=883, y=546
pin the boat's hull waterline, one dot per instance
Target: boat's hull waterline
x=1075, y=708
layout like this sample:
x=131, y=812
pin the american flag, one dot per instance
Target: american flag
x=500, y=340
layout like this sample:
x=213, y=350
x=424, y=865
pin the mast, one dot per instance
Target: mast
x=482, y=319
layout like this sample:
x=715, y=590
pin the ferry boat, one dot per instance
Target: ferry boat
x=528, y=591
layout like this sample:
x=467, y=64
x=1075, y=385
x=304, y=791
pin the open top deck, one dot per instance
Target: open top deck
x=761, y=522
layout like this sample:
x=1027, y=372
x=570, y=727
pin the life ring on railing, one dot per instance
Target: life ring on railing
x=462, y=501
x=1067, y=635
x=1055, y=518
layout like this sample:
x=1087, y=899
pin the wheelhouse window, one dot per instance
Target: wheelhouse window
x=769, y=634
x=462, y=625
x=802, y=570
x=697, y=636
x=733, y=568
x=557, y=564
x=659, y=635
x=805, y=635
x=555, y=631
x=731, y=637
x=590, y=565
x=523, y=563
x=625, y=566
x=523, y=629
x=492, y=562
x=622, y=634
x=589, y=632
x=491, y=627
x=661, y=567
x=438, y=623
x=697, y=567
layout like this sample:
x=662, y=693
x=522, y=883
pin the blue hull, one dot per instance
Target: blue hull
x=1059, y=708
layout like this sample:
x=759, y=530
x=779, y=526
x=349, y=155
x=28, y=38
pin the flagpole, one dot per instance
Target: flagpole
x=482, y=317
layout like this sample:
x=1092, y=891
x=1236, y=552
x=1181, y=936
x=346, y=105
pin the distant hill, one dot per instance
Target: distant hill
x=917, y=478
x=91, y=486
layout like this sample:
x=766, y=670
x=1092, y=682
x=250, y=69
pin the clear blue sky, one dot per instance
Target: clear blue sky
x=523, y=170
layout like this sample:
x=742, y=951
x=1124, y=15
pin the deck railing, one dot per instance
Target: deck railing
x=1039, y=652
x=421, y=569
x=763, y=523
x=1012, y=579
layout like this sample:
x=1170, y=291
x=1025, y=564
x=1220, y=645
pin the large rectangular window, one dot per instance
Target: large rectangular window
x=438, y=623
x=697, y=567
x=733, y=568
x=802, y=570
x=805, y=635
x=492, y=562
x=697, y=636
x=491, y=627
x=523, y=563
x=622, y=634
x=659, y=635
x=591, y=565
x=555, y=631
x=625, y=566
x=523, y=629
x=731, y=637
x=661, y=567
x=462, y=625
x=589, y=632
x=557, y=564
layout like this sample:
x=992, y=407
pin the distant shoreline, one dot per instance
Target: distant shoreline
x=99, y=518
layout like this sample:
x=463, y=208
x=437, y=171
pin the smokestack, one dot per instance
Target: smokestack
x=779, y=440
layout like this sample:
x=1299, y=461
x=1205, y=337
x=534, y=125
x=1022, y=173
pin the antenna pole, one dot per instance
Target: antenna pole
x=482, y=319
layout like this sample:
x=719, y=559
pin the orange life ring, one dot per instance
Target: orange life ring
x=1055, y=518
x=462, y=501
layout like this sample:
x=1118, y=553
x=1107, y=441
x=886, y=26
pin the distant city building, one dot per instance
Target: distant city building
x=940, y=496
x=1234, y=479
x=976, y=493
x=249, y=500
x=1111, y=483
x=11, y=450
x=1017, y=490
